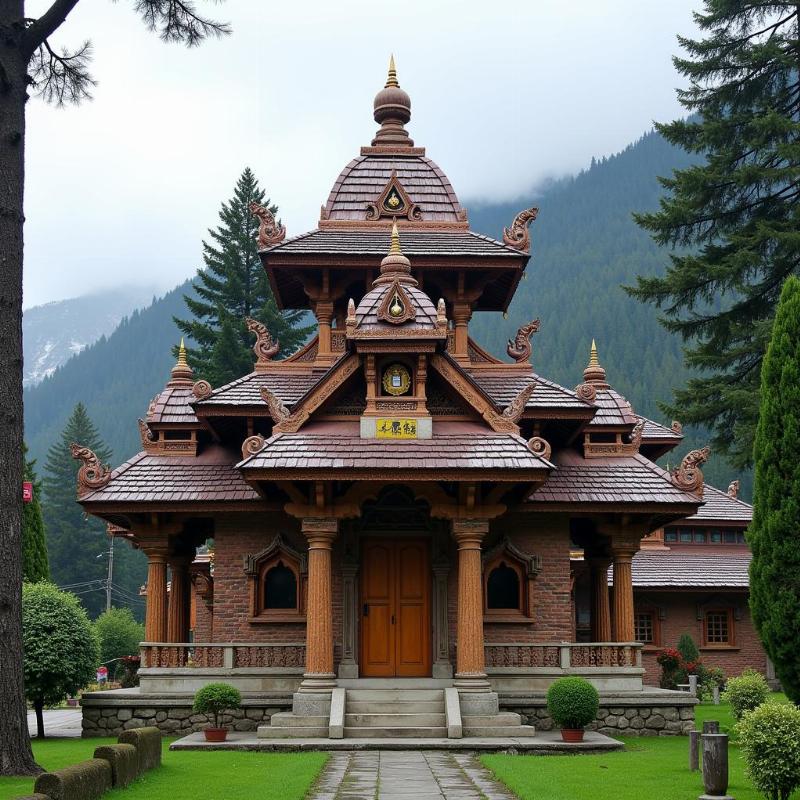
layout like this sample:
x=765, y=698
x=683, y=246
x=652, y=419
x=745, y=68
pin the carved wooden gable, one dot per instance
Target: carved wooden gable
x=394, y=201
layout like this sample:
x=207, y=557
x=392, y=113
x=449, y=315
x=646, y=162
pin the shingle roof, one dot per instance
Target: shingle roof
x=364, y=178
x=668, y=569
x=375, y=242
x=211, y=477
x=504, y=388
x=655, y=431
x=287, y=384
x=367, y=311
x=720, y=507
x=172, y=406
x=612, y=409
x=454, y=446
x=630, y=479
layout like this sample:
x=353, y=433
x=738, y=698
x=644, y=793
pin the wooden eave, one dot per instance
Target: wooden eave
x=519, y=476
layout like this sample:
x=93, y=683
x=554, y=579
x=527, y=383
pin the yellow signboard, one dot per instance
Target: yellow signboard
x=396, y=428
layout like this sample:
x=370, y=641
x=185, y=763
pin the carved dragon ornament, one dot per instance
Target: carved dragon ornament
x=91, y=473
x=276, y=407
x=518, y=236
x=269, y=231
x=516, y=408
x=520, y=348
x=688, y=476
x=265, y=347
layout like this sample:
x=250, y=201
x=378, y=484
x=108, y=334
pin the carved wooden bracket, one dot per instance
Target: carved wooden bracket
x=518, y=236
x=688, y=476
x=276, y=407
x=520, y=348
x=269, y=231
x=265, y=347
x=252, y=445
x=91, y=474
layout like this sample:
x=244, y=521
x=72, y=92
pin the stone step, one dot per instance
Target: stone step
x=503, y=719
x=296, y=732
x=392, y=733
x=401, y=707
x=378, y=720
x=395, y=695
x=285, y=719
x=499, y=731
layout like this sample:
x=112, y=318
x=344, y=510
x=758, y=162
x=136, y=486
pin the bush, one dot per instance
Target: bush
x=147, y=742
x=769, y=738
x=215, y=699
x=747, y=692
x=86, y=780
x=688, y=649
x=59, y=645
x=572, y=702
x=119, y=634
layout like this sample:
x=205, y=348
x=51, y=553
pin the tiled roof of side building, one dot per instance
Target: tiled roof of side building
x=504, y=388
x=210, y=478
x=613, y=480
x=374, y=243
x=288, y=385
x=721, y=507
x=454, y=446
x=679, y=570
x=655, y=430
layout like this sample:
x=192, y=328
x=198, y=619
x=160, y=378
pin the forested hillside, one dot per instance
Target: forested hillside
x=585, y=247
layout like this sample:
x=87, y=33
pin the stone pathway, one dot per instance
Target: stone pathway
x=406, y=775
x=57, y=722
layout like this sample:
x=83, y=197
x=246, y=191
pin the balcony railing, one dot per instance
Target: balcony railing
x=564, y=656
x=226, y=655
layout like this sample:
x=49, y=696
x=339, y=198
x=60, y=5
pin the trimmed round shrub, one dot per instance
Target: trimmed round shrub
x=572, y=702
x=746, y=693
x=769, y=739
x=215, y=699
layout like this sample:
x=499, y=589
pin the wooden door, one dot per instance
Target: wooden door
x=395, y=608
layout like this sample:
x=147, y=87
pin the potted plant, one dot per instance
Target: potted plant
x=572, y=703
x=215, y=699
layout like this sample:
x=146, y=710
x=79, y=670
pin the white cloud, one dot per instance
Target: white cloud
x=505, y=94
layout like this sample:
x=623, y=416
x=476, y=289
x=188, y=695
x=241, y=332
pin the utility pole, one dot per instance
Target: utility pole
x=110, y=577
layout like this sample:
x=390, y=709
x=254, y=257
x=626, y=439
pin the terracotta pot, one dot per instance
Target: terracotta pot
x=572, y=734
x=215, y=734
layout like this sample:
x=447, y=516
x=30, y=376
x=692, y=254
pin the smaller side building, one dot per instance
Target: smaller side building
x=692, y=577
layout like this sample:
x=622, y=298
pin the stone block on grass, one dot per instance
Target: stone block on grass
x=33, y=797
x=86, y=780
x=124, y=761
x=147, y=742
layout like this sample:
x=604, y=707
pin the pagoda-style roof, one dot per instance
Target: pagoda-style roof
x=503, y=388
x=720, y=507
x=286, y=384
x=658, y=439
x=669, y=569
x=462, y=451
x=172, y=405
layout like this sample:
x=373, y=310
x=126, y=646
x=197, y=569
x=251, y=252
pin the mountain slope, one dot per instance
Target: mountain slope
x=54, y=332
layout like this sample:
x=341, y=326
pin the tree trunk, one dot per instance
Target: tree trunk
x=38, y=707
x=16, y=757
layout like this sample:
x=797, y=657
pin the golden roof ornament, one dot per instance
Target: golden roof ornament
x=392, y=110
x=594, y=373
x=181, y=374
x=391, y=78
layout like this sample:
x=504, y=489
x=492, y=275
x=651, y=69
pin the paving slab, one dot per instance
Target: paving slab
x=58, y=722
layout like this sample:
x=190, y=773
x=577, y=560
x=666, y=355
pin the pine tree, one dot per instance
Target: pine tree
x=732, y=219
x=775, y=569
x=234, y=286
x=34, y=548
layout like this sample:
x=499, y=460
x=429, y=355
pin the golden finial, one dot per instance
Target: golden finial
x=391, y=80
x=182, y=354
x=593, y=360
x=395, y=250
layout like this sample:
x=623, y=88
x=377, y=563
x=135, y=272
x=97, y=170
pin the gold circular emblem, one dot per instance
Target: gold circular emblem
x=396, y=380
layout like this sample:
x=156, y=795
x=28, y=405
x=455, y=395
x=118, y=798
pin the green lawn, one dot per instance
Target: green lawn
x=651, y=767
x=215, y=775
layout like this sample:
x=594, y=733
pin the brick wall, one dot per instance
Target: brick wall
x=680, y=611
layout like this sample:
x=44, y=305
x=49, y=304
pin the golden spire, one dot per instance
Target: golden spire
x=395, y=250
x=593, y=360
x=391, y=79
x=594, y=373
x=182, y=354
x=181, y=373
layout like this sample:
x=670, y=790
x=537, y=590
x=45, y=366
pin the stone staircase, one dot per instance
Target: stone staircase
x=395, y=713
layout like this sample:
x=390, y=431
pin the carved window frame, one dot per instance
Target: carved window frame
x=727, y=612
x=256, y=568
x=656, y=616
x=527, y=568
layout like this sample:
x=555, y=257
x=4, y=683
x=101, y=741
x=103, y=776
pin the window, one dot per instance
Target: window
x=280, y=587
x=503, y=588
x=699, y=537
x=703, y=536
x=671, y=535
x=646, y=627
x=277, y=579
x=718, y=628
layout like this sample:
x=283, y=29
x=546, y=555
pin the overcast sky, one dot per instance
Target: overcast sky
x=122, y=189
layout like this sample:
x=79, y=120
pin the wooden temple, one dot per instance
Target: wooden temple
x=391, y=502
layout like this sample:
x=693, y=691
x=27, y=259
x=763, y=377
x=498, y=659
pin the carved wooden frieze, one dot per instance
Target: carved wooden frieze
x=518, y=236
x=91, y=474
x=270, y=232
x=688, y=476
x=265, y=347
x=520, y=347
x=620, y=447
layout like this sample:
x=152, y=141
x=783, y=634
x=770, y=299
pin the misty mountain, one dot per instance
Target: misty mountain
x=54, y=332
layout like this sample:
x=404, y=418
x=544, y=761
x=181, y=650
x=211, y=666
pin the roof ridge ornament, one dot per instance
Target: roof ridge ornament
x=270, y=232
x=265, y=347
x=91, y=473
x=520, y=348
x=516, y=408
x=392, y=110
x=540, y=447
x=733, y=489
x=391, y=78
x=518, y=236
x=181, y=374
x=688, y=476
x=277, y=410
x=252, y=445
x=202, y=389
x=594, y=372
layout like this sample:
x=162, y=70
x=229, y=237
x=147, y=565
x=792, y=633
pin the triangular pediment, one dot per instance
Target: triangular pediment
x=393, y=202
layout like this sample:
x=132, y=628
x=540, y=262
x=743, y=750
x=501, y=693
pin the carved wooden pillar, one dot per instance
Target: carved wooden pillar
x=179, y=599
x=623, y=592
x=320, y=532
x=601, y=607
x=324, y=312
x=470, y=666
x=348, y=667
x=462, y=313
x=442, y=668
x=155, y=620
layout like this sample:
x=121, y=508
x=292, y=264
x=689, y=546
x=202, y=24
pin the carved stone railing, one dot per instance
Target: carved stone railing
x=565, y=655
x=224, y=655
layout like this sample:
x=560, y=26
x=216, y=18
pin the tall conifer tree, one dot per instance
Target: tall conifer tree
x=775, y=569
x=733, y=218
x=34, y=547
x=231, y=287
